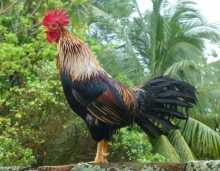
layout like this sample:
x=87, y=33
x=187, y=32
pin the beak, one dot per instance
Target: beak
x=46, y=30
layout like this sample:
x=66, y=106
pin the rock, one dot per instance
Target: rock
x=57, y=168
x=16, y=168
x=116, y=167
x=131, y=167
x=211, y=165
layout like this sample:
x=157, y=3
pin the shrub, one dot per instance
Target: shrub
x=131, y=144
x=13, y=153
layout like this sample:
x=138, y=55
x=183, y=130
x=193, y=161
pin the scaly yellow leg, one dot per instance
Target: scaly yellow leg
x=102, y=152
x=105, y=151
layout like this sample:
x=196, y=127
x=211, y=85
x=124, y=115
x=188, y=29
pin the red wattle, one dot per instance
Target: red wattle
x=53, y=36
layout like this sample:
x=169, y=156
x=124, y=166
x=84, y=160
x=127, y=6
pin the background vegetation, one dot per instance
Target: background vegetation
x=35, y=120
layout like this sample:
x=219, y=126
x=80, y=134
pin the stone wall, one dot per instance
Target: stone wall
x=212, y=165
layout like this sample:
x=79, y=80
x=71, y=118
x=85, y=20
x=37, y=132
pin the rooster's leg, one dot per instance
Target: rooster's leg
x=102, y=152
x=105, y=151
x=98, y=157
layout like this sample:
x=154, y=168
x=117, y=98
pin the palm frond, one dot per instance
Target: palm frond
x=164, y=147
x=204, y=141
x=210, y=119
x=181, y=146
x=184, y=49
x=180, y=66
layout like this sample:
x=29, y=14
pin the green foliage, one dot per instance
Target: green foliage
x=204, y=141
x=11, y=150
x=181, y=146
x=12, y=153
x=124, y=7
x=130, y=144
x=169, y=34
x=32, y=104
x=38, y=110
x=165, y=148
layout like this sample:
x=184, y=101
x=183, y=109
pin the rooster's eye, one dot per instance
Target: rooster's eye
x=53, y=26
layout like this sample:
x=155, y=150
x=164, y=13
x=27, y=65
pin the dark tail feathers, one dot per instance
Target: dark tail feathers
x=161, y=100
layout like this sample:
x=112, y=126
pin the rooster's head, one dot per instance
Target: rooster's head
x=55, y=21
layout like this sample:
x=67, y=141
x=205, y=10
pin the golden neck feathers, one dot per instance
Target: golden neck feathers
x=75, y=59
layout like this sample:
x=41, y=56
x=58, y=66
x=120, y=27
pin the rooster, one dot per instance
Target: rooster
x=104, y=103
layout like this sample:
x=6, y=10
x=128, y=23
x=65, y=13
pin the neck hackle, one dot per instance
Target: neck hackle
x=75, y=58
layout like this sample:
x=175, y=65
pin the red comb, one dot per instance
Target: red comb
x=56, y=16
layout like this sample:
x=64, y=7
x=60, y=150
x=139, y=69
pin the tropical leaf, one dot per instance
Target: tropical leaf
x=170, y=34
x=180, y=66
x=204, y=141
x=164, y=147
x=210, y=119
x=181, y=146
x=208, y=95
